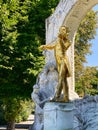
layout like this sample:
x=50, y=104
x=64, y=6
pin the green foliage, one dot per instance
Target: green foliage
x=93, y=92
x=27, y=107
x=12, y=108
x=88, y=81
x=85, y=33
x=16, y=109
x=2, y=120
x=85, y=78
x=20, y=59
x=22, y=31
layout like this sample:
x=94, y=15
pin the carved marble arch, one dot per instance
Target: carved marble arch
x=69, y=13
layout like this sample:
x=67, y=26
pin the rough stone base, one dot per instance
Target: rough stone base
x=86, y=113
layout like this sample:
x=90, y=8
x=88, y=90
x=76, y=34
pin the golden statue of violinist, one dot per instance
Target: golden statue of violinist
x=60, y=47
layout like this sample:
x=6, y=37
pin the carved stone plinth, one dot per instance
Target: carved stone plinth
x=58, y=116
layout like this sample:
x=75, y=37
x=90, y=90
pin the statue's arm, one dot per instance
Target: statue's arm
x=48, y=46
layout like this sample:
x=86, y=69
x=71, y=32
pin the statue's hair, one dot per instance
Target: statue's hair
x=65, y=37
x=67, y=29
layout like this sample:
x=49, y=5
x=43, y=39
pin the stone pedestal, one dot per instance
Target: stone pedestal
x=58, y=116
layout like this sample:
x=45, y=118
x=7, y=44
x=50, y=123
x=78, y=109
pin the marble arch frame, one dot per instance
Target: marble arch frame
x=69, y=13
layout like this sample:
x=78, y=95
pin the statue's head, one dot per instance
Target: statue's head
x=63, y=31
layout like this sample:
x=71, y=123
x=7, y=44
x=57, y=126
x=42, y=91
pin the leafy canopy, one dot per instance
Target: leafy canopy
x=22, y=31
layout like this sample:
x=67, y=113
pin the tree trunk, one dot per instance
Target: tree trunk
x=11, y=125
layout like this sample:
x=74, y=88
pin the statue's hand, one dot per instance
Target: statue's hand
x=42, y=47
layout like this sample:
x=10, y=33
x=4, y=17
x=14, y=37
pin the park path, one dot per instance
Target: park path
x=22, y=125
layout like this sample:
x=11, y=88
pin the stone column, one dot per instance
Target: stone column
x=58, y=116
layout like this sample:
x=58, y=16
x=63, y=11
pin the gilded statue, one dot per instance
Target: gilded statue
x=60, y=47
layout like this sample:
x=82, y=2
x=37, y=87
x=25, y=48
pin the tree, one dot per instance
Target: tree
x=22, y=30
x=88, y=81
x=85, y=33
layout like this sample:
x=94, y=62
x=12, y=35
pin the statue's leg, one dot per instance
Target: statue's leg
x=65, y=90
x=65, y=84
x=60, y=85
x=59, y=89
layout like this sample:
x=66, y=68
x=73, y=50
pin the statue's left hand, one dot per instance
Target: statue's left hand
x=42, y=47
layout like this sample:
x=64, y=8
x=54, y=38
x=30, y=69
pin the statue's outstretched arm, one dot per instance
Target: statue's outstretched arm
x=48, y=46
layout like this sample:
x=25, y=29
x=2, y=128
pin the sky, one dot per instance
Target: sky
x=93, y=58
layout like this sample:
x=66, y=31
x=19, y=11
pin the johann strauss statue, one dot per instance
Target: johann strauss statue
x=60, y=47
x=52, y=81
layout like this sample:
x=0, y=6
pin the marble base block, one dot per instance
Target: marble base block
x=58, y=116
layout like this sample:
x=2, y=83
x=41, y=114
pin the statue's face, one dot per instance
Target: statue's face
x=62, y=30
